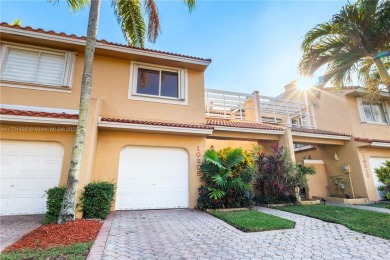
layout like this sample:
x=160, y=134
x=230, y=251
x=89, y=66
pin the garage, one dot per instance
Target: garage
x=376, y=162
x=28, y=168
x=152, y=178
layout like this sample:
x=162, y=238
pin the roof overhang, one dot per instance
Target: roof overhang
x=105, y=49
x=322, y=136
x=154, y=128
x=248, y=130
x=360, y=92
x=37, y=120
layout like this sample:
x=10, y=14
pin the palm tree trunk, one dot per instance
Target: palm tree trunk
x=68, y=207
x=384, y=74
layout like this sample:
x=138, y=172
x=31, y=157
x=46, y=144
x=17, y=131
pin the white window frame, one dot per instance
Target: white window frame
x=182, y=98
x=67, y=78
x=363, y=118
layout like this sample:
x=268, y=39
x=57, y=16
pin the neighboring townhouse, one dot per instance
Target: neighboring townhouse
x=149, y=123
x=368, y=122
x=146, y=124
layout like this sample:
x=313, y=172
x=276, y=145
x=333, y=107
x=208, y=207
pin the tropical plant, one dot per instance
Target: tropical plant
x=339, y=183
x=301, y=172
x=383, y=174
x=275, y=176
x=227, y=176
x=131, y=19
x=16, y=21
x=354, y=40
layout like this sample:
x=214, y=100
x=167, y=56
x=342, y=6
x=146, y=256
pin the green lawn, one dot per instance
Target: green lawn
x=383, y=205
x=253, y=221
x=363, y=221
x=73, y=252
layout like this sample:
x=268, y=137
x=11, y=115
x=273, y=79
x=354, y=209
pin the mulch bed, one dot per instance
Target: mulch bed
x=51, y=235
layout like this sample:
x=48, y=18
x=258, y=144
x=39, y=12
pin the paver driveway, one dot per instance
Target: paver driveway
x=185, y=234
x=12, y=228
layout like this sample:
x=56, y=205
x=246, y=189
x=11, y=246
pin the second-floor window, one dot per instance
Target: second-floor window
x=29, y=65
x=158, y=84
x=374, y=112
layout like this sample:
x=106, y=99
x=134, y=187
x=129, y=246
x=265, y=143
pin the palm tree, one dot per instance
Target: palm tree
x=131, y=19
x=219, y=172
x=352, y=41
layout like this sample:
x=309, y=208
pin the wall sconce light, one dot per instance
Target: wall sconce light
x=336, y=157
x=212, y=147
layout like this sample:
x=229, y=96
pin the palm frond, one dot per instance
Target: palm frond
x=16, y=21
x=221, y=180
x=74, y=5
x=211, y=156
x=153, y=20
x=216, y=193
x=190, y=4
x=130, y=18
x=233, y=158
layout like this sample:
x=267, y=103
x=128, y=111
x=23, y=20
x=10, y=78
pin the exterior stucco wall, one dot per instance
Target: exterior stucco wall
x=111, y=78
x=110, y=144
x=220, y=144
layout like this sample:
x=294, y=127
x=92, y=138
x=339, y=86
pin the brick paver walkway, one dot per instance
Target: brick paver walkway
x=186, y=234
x=12, y=228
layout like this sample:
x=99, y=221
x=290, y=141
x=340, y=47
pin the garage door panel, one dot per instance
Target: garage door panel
x=160, y=174
x=30, y=168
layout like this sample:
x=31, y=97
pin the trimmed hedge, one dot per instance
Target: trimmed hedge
x=53, y=204
x=96, y=199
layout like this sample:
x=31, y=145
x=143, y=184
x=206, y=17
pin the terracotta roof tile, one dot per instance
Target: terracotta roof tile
x=73, y=36
x=368, y=140
x=317, y=131
x=155, y=123
x=15, y=112
x=228, y=123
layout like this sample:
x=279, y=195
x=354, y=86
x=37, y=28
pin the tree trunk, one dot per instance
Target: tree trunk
x=383, y=73
x=68, y=208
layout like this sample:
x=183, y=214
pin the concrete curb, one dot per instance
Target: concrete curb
x=98, y=246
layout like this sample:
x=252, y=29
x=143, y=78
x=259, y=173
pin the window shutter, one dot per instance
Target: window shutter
x=51, y=69
x=69, y=68
x=360, y=109
x=20, y=65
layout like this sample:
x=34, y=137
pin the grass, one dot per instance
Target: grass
x=73, y=252
x=363, y=221
x=253, y=221
x=382, y=205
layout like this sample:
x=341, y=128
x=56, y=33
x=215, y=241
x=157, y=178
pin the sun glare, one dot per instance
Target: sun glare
x=305, y=83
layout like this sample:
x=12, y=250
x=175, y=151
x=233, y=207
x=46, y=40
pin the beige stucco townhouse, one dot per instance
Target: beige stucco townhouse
x=149, y=123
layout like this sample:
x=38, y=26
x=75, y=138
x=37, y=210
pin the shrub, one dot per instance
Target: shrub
x=53, y=204
x=96, y=199
x=227, y=176
x=276, y=176
x=383, y=174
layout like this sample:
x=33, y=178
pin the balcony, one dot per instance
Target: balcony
x=256, y=108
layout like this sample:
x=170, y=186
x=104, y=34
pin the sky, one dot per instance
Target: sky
x=254, y=45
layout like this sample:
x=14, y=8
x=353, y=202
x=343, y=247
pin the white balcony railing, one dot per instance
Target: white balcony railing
x=252, y=107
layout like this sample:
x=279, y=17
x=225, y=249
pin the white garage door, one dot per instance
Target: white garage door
x=152, y=178
x=377, y=162
x=27, y=169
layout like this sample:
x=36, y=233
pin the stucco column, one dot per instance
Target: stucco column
x=286, y=140
x=88, y=161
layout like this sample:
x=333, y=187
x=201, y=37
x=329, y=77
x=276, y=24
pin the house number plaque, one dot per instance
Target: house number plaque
x=198, y=161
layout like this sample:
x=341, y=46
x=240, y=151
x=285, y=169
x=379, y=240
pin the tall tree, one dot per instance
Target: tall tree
x=355, y=40
x=131, y=19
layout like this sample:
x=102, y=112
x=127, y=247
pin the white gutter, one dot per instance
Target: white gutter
x=248, y=130
x=99, y=45
x=382, y=145
x=336, y=137
x=41, y=120
x=154, y=128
